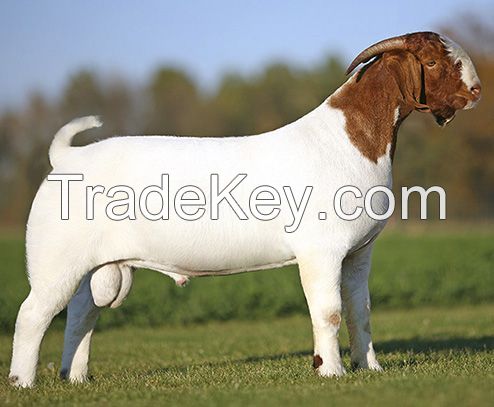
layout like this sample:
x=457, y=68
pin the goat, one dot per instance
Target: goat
x=348, y=140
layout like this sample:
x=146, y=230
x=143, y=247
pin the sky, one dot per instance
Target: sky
x=43, y=42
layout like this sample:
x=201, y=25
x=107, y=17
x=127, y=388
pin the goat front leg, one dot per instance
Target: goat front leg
x=321, y=277
x=356, y=305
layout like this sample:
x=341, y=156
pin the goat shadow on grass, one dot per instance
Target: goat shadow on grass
x=425, y=345
x=414, y=345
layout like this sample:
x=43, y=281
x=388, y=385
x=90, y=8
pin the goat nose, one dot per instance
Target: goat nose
x=475, y=89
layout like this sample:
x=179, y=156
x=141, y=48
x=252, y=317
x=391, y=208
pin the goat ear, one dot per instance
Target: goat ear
x=407, y=71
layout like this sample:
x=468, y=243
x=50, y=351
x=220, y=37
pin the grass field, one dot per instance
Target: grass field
x=431, y=356
x=247, y=339
x=408, y=271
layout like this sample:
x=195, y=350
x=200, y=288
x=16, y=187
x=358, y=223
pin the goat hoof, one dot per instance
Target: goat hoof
x=374, y=365
x=15, y=381
x=327, y=370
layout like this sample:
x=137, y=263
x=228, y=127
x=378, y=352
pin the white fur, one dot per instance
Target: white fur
x=396, y=115
x=468, y=73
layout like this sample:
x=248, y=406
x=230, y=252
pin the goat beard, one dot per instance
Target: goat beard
x=444, y=117
x=443, y=121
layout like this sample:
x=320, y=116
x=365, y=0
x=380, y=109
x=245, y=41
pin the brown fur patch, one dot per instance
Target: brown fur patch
x=316, y=361
x=335, y=319
x=369, y=102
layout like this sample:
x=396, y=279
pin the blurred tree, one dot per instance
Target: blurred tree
x=234, y=106
x=173, y=101
x=39, y=122
x=82, y=96
x=326, y=78
x=10, y=128
x=118, y=111
x=277, y=100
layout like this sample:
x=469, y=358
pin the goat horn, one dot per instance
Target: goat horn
x=390, y=44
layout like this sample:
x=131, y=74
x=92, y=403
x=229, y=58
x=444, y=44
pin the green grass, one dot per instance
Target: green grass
x=431, y=356
x=433, y=330
x=408, y=271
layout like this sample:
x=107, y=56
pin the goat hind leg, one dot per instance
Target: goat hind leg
x=33, y=319
x=107, y=286
x=82, y=314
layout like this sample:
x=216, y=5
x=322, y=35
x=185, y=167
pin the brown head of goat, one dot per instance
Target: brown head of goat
x=421, y=71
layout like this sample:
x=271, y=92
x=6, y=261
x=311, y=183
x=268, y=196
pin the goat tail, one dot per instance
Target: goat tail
x=64, y=136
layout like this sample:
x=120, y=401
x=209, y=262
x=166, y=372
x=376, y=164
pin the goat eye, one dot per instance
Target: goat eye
x=431, y=63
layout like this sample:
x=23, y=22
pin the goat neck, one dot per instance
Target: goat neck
x=375, y=101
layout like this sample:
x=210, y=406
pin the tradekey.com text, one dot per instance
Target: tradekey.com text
x=264, y=203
